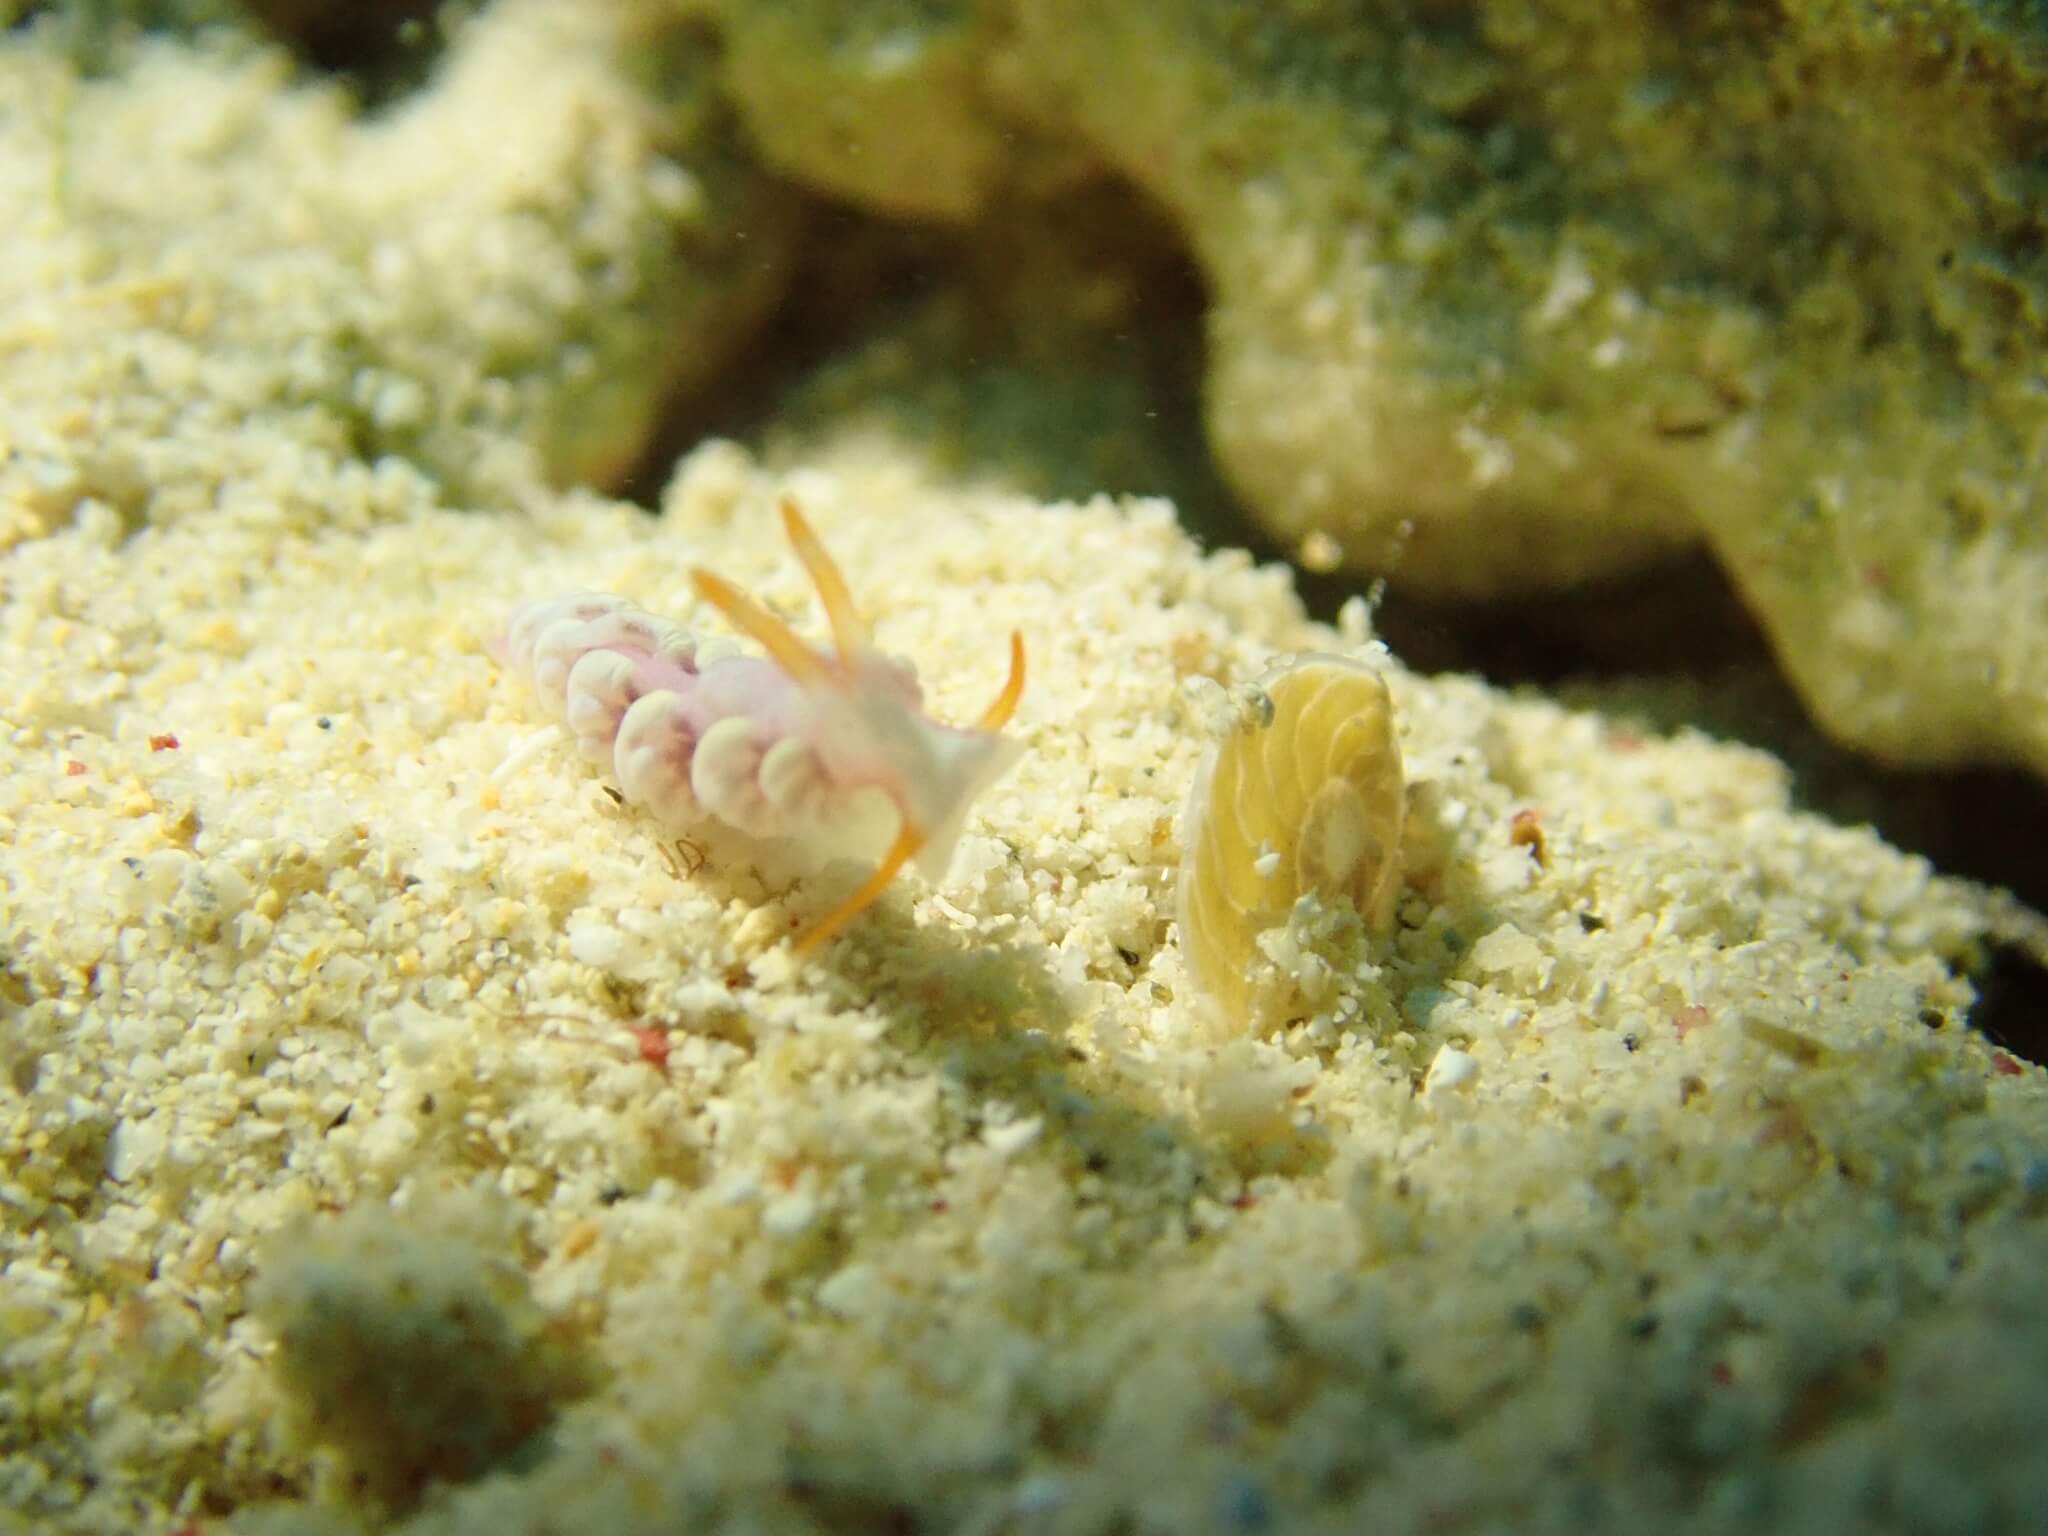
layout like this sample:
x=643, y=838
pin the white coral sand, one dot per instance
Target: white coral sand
x=970, y=1214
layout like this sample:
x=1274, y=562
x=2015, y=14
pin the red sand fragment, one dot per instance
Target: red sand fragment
x=653, y=1043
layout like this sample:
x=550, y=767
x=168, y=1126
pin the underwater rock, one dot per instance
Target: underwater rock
x=885, y=110
x=1510, y=297
x=1521, y=295
x=494, y=280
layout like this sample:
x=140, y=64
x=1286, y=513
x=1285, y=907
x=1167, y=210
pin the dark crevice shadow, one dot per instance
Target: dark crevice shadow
x=382, y=50
x=2012, y=1003
x=1674, y=647
x=970, y=345
x=827, y=304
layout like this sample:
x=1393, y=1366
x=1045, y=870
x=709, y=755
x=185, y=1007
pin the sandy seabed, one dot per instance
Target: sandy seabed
x=392, y=1140
x=976, y=1220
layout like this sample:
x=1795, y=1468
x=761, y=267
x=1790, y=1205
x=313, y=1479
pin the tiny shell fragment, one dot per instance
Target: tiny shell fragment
x=1315, y=781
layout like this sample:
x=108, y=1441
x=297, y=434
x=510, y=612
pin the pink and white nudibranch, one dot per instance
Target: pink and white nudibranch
x=797, y=744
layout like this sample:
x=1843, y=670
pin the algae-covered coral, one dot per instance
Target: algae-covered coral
x=487, y=275
x=1660, y=1182
x=1514, y=294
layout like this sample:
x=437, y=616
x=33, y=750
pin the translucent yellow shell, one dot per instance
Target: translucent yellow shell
x=1306, y=798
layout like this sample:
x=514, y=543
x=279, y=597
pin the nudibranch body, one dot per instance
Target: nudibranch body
x=796, y=744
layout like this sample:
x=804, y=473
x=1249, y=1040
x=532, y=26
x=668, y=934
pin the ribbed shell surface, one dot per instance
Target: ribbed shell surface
x=1306, y=798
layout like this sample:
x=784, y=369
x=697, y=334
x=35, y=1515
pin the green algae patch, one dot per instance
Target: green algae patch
x=1510, y=297
x=408, y=1341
